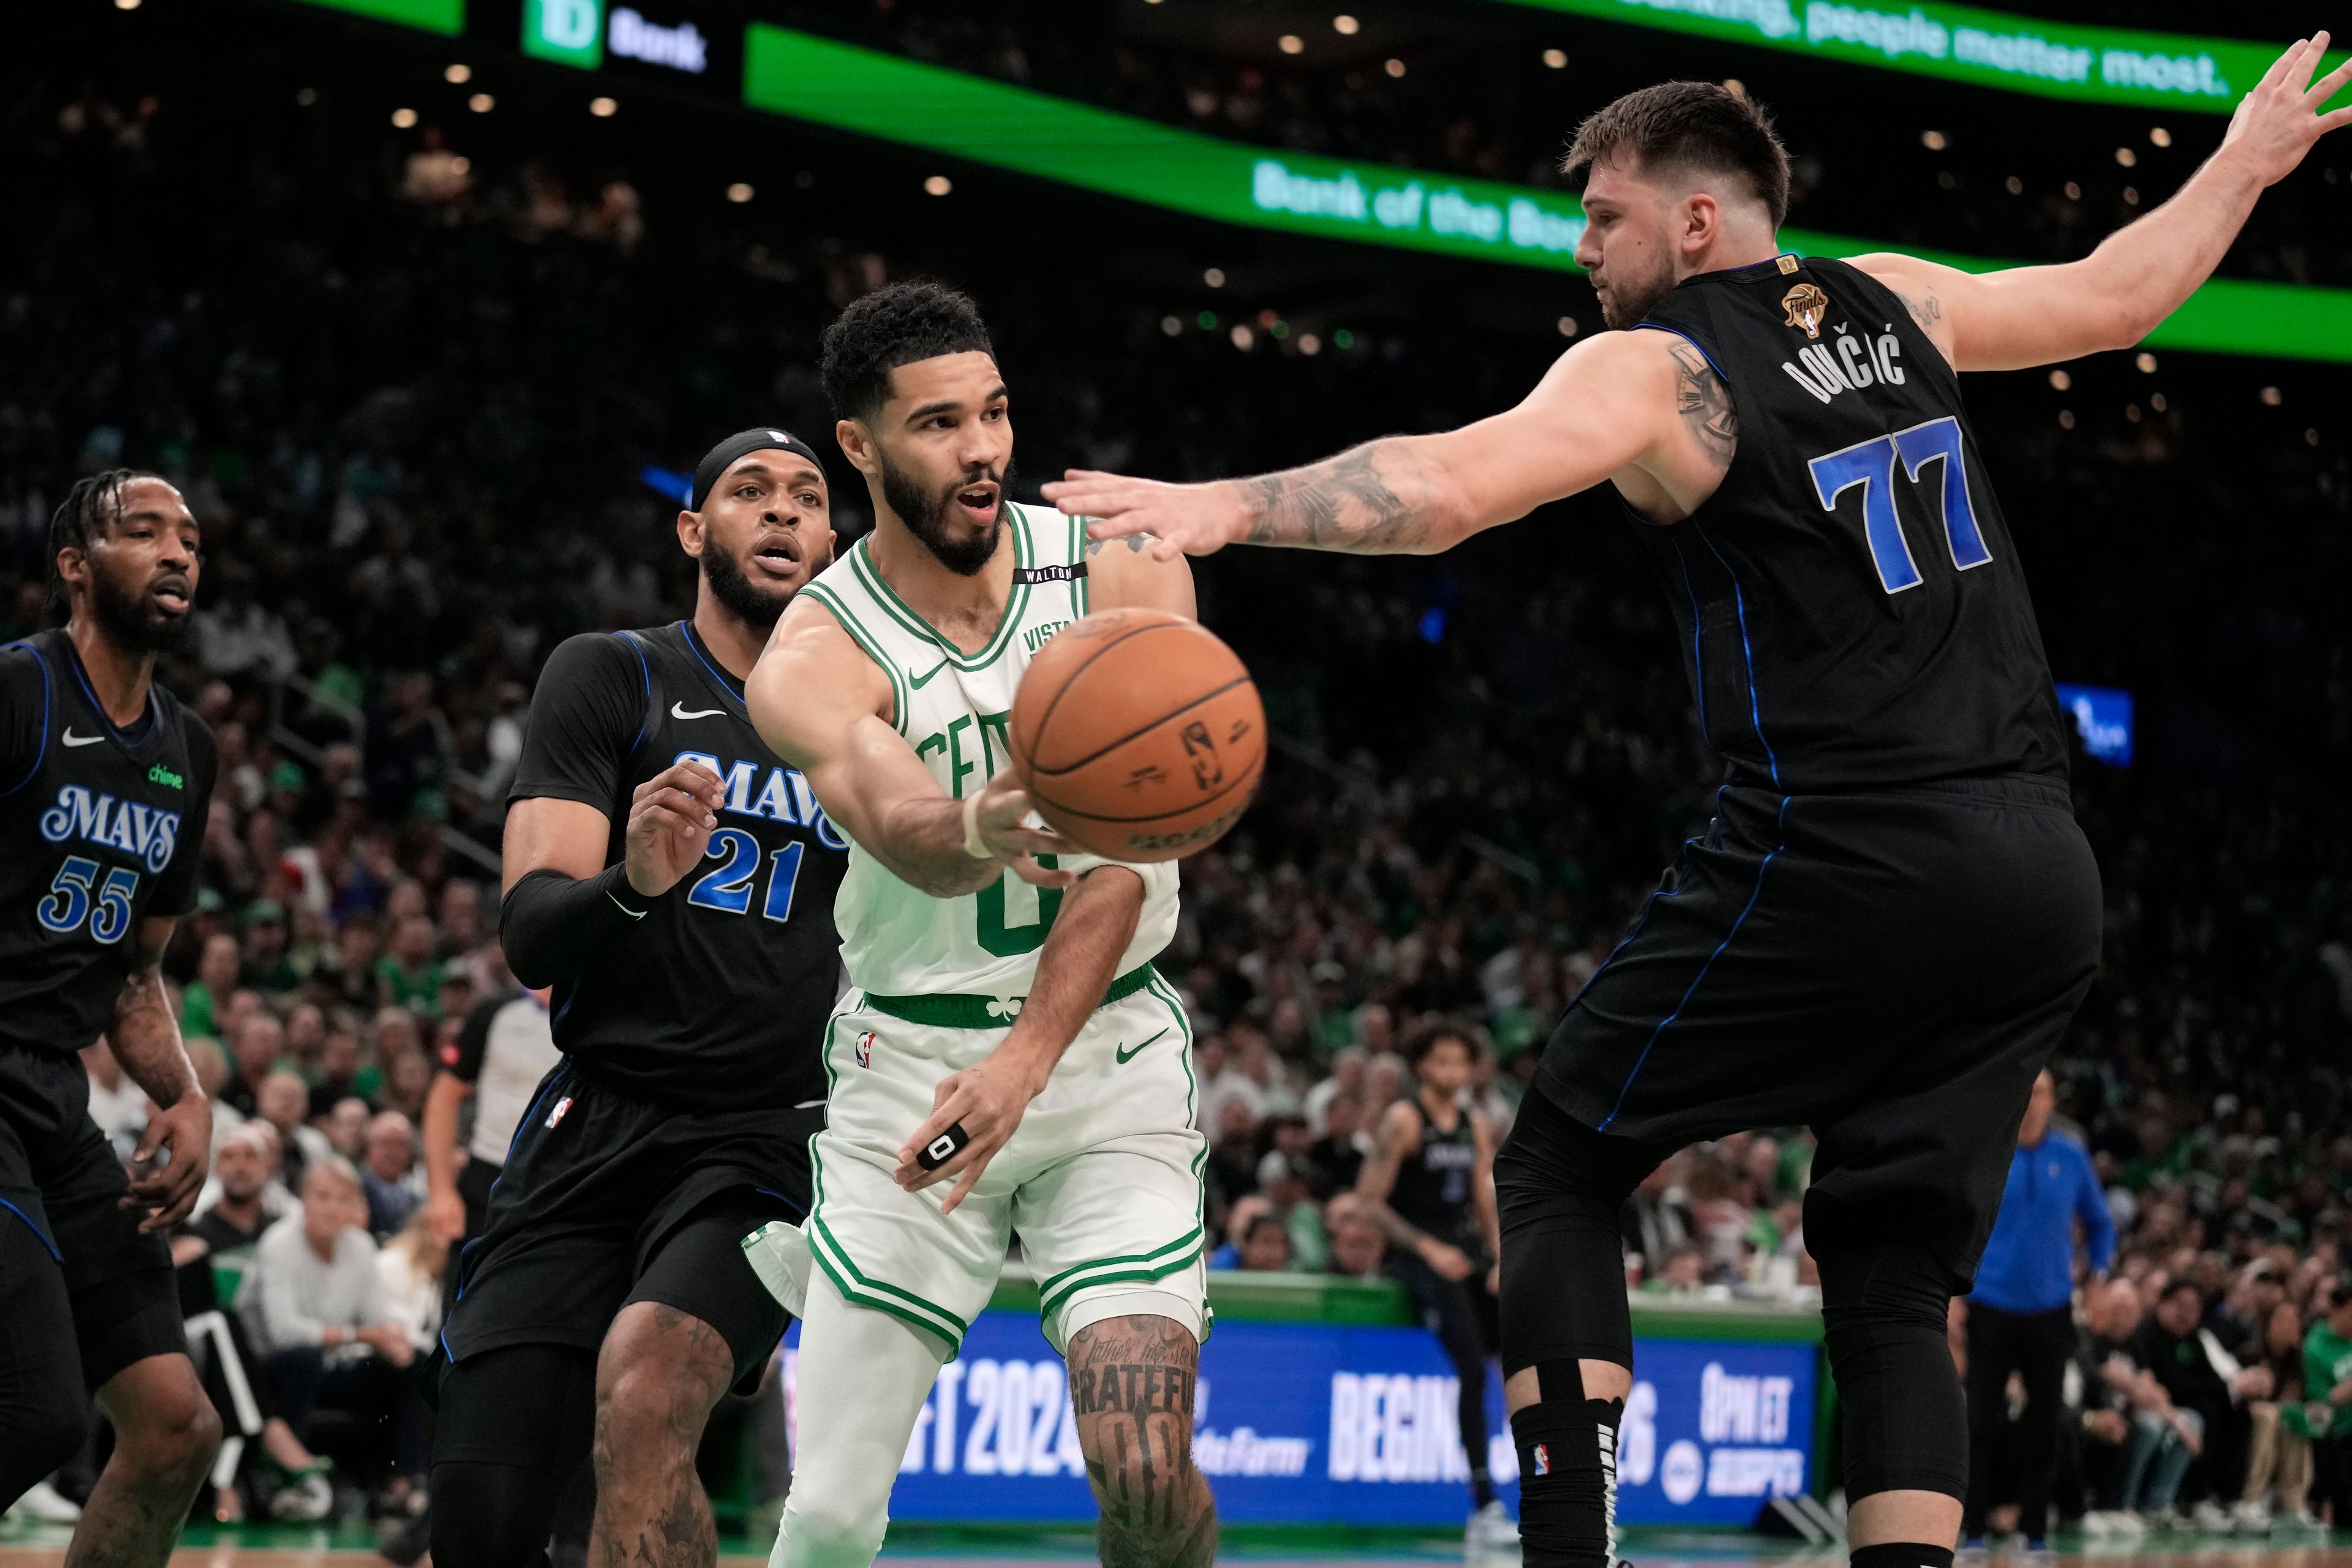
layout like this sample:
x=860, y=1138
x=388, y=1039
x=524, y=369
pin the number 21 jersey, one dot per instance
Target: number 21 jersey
x=100, y=828
x=1852, y=611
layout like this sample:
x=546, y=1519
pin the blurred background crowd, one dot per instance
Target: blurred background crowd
x=408, y=377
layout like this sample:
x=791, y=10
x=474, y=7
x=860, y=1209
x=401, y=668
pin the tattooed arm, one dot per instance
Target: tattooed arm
x=1613, y=403
x=2143, y=272
x=146, y=1038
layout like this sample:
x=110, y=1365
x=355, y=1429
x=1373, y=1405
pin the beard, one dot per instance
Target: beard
x=1631, y=297
x=925, y=513
x=134, y=621
x=755, y=607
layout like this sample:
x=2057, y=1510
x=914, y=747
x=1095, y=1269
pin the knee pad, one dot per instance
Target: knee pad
x=1883, y=1310
x=1568, y=1472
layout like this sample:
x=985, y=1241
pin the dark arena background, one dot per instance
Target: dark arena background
x=429, y=306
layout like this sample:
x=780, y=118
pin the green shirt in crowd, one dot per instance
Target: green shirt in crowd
x=2326, y=1362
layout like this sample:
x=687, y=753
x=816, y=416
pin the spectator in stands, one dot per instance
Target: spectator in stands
x=1336, y=1159
x=347, y=1128
x=1282, y=1179
x=257, y=1042
x=1680, y=1273
x=1359, y=1251
x=232, y=1223
x=2325, y=1417
x=2167, y=1345
x=2278, y=1461
x=1265, y=1245
x=118, y=1105
x=216, y=976
x=408, y=975
x=2109, y=1390
x=389, y=1175
x=342, y=1074
x=283, y=1102
x=2021, y=1315
x=313, y=1305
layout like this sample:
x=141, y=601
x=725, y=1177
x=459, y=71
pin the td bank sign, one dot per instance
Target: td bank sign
x=578, y=33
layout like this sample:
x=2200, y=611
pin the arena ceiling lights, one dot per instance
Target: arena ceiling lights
x=881, y=95
x=2174, y=71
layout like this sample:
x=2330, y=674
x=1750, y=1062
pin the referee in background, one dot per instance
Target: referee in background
x=2022, y=1314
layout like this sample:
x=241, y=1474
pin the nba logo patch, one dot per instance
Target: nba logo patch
x=866, y=1049
x=556, y=1115
x=1543, y=1458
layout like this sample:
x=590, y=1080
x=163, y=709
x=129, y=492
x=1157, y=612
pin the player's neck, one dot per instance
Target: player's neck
x=118, y=675
x=733, y=641
x=965, y=610
x=1737, y=243
x=1439, y=1108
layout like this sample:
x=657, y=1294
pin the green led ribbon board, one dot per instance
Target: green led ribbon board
x=447, y=17
x=852, y=89
x=2168, y=71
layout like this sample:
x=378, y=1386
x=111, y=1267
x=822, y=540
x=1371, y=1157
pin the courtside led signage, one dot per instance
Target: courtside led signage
x=881, y=95
x=1984, y=49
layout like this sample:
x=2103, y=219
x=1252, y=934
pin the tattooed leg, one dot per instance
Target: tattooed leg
x=1131, y=1386
x=166, y=1434
x=657, y=1376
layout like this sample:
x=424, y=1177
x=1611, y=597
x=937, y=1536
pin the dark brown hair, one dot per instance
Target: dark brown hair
x=1694, y=126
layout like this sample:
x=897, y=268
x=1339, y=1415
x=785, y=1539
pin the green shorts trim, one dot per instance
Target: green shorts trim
x=962, y=1012
x=880, y=1295
x=1054, y=1292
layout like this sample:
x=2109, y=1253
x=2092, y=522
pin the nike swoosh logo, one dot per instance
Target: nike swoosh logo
x=640, y=914
x=678, y=710
x=71, y=739
x=919, y=681
x=1126, y=1056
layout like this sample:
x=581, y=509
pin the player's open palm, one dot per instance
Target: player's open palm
x=2276, y=123
x=670, y=818
x=1191, y=520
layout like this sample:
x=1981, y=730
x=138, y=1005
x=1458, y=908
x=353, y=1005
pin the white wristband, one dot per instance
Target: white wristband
x=971, y=841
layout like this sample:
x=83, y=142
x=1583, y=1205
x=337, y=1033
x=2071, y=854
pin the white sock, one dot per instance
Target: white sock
x=864, y=1377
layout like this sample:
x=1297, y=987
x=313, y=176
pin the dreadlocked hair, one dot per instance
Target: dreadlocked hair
x=92, y=505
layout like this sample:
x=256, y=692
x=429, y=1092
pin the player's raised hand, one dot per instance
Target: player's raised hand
x=986, y=1101
x=999, y=822
x=670, y=818
x=1187, y=520
x=2276, y=123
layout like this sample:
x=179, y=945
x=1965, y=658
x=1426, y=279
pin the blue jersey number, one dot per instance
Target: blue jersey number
x=729, y=888
x=76, y=894
x=1871, y=464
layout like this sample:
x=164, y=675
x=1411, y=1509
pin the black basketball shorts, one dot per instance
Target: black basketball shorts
x=606, y=1199
x=1891, y=968
x=94, y=1288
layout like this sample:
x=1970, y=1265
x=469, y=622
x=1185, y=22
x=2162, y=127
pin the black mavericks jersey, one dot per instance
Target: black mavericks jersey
x=718, y=999
x=1432, y=1181
x=1852, y=611
x=100, y=828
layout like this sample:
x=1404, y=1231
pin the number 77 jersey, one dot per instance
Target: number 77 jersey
x=1853, y=613
x=100, y=826
x=955, y=709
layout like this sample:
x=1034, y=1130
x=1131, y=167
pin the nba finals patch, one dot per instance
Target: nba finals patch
x=866, y=1049
x=1806, y=305
x=556, y=1115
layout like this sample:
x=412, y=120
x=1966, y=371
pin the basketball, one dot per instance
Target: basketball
x=1140, y=734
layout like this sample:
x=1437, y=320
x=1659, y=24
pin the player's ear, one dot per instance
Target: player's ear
x=857, y=445
x=1702, y=221
x=690, y=533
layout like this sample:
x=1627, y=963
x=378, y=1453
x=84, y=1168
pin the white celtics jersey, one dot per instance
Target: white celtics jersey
x=956, y=709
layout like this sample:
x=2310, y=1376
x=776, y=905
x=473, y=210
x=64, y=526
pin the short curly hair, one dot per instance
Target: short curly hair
x=92, y=506
x=1695, y=126
x=896, y=324
x=1434, y=1031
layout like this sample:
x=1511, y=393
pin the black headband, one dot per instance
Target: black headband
x=742, y=444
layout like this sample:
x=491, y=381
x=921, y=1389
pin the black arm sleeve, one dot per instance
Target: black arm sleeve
x=175, y=890
x=586, y=717
x=553, y=927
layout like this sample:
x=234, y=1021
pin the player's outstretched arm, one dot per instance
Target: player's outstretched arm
x=1604, y=405
x=2139, y=275
x=145, y=1036
x=1082, y=949
x=825, y=708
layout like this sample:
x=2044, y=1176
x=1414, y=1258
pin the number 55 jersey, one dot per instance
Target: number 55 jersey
x=102, y=827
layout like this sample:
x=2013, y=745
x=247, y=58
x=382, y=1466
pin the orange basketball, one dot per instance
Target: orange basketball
x=1140, y=734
